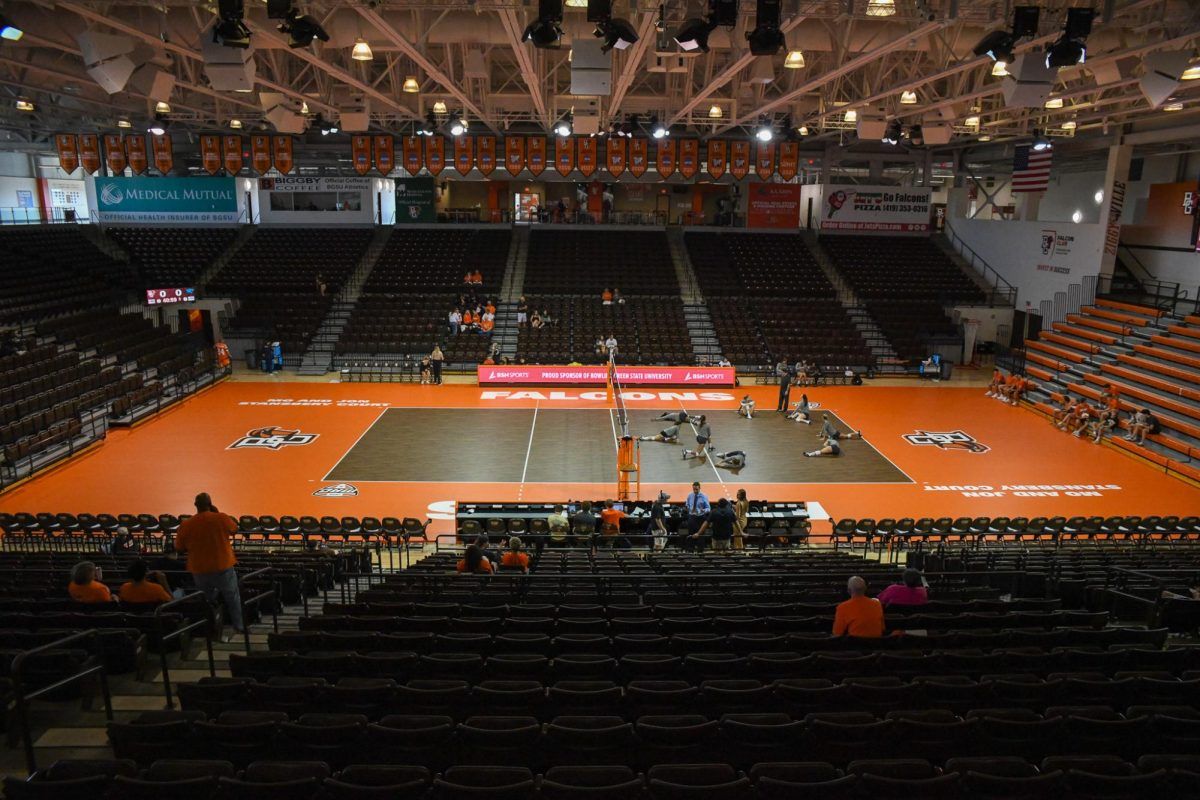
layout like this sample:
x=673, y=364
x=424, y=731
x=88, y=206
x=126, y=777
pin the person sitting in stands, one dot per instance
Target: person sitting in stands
x=1066, y=407
x=489, y=361
x=859, y=616
x=607, y=297
x=560, y=528
x=1071, y=415
x=85, y=586
x=997, y=382
x=610, y=521
x=1087, y=415
x=477, y=278
x=616, y=296
x=514, y=558
x=911, y=592
x=583, y=524
x=468, y=320
x=474, y=561
x=490, y=307
x=467, y=279
x=123, y=544
x=546, y=318
x=144, y=586
x=1143, y=423
x=536, y=322
x=1105, y=421
x=488, y=323
x=455, y=320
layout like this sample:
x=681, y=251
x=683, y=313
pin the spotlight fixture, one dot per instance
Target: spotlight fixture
x=803, y=130
x=916, y=136
x=657, y=130
x=231, y=30
x=157, y=129
x=998, y=45
x=1174, y=105
x=766, y=39
x=881, y=8
x=908, y=98
x=616, y=33
x=893, y=133
x=693, y=34
x=162, y=107
x=124, y=123
x=1040, y=142
x=410, y=85
x=459, y=126
x=972, y=122
x=764, y=132
x=1054, y=102
x=9, y=31
x=985, y=137
x=562, y=128
x=1070, y=125
x=235, y=123
x=1192, y=73
x=794, y=60
x=361, y=50
x=1000, y=69
x=576, y=3
x=427, y=127
x=715, y=112
x=324, y=127
x=631, y=124
x=24, y=105
x=439, y=107
x=1071, y=47
x=850, y=116
x=302, y=29
x=546, y=30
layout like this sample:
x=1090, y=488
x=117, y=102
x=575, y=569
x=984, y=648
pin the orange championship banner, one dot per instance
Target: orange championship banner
x=535, y=154
x=689, y=157
x=283, y=154
x=360, y=153
x=789, y=160
x=231, y=151
x=260, y=153
x=764, y=161
x=739, y=159
x=114, y=152
x=514, y=154
x=485, y=154
x=164, y=158
x=435, y=154
x=638, y=161
x=135, y=151
x=463, y=160
x=717, y=158
x=210, y=153
x=385, y=153
x=666, y=157
x=89, y=152
x=564, y=155
x=411, y=147
x=615, y=154
x=587, y=156
x=68, y=155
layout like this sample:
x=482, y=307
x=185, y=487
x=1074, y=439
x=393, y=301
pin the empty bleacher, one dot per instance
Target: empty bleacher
x=54, y=269
x=167, y=257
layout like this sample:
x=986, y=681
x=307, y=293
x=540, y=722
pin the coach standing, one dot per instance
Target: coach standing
x=697, y=510
x=784, y=371
x=205, y=538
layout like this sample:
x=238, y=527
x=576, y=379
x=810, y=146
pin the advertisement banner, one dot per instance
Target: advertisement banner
x=739, y=159
x=166, y=200
x=764, y=160
x=598, y=376
x=689, y=157
x=789, y=160
x=231, y=147
x=281, y=149
x=463, y=161
x=360, y=153
x=535, y=153
x=135, y=152
x=114, y=152
x=416, y=200
x=665, y=162
x=564, y=155
x=89, y=152
x=68, y=155
x=514, y=154
x=412, y=154
x=164, y=158
x=717, y=163
x=260, y=153
x=385, y=154
x=435, y=154
x=773, y=205
x=883, y=209
x=210, y=153
x=587, y=156
x=615, y=155
x=638, y=157
x=485, y=154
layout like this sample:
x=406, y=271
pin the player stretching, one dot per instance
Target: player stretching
x=746, y=409
x=677, y=417
x=703, y=440
x=802, y=412
x=831, y=448
x=733, y=460
x=832, y=433
x=670, y=435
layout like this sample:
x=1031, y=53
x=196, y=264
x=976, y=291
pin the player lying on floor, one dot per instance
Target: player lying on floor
x=677, y=417
x=828, y=431
x=670, y=435
x=733, y=460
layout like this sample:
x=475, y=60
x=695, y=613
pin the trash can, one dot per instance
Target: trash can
x=252, y=358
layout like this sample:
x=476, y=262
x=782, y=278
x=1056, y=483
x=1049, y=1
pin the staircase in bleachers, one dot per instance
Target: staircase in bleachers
x=1150, y=357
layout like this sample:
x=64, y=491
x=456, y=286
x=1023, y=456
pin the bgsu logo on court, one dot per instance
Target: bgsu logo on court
x=947, y=440
x=337, y=490
x=273, y=438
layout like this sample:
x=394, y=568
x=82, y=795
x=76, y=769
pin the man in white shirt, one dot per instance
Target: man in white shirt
x=610, y=344
x=455, y=321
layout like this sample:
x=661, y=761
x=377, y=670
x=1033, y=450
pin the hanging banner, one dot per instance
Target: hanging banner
x=284, y=158
x=881, y=209
x=89, y=152
x=666, y=157
x=385, y=154
x=210, y=153
x=587, y=156
x=416, y=200
x=412, y=154
x=135, y=151
x=773, y=205
x=789, y=160
x=164, y=158
x=717, y=158
x=231, y=145
x=535, y=154
x=689, y=157
x=463, y=146
x=114, y=153
x=360, y=153
x=435, y=154
x=637, y=157
x=260, y=153
x=764, y=160
x=68, y=156
x=485, y=154
x=166, y=200
x=564, y=155
x=739, y=159
x=615, y=153
x=514, y=154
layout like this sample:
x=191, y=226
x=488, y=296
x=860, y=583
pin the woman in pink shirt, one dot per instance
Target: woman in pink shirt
x=911, y=593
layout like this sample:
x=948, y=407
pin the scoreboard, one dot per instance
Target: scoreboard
x=162, y=297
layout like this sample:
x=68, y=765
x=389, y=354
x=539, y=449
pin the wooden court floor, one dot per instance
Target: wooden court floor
x=406, y=450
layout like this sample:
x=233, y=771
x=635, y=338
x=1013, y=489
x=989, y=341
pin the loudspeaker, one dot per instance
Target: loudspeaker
x=1028, y=83
x=229, y=69
x=113, y=74
x=354, y=121
x=936, y=133
x=591, y=69
x=152, y=82
x=96, y=48
x=1106, y=72
x=872, y=124
x=286, y=121
x=1162, y=74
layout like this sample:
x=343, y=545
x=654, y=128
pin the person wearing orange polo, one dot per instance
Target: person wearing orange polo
x=513, y=557
x=205, y=537
x=85, y=586
x=144, y=586
x=859, y=616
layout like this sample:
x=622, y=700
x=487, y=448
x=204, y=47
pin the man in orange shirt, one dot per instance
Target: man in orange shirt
x=85, y=586
x=514, y=557
x=205, y=539
x=143, y=586
x=860, y=616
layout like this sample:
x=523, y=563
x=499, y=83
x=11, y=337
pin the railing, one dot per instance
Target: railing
x=1164, y=294
x=254, y=602
x=1003, y=292
x=210, y=625
x=93, y=666
x=95, y=428
x=19, y=215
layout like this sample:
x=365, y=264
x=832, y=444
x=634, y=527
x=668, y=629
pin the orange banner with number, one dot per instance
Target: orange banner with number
x=114, y=153
x=764, y=160
x=464, y=161
x=588, y=156
x=385, y=153
x=514, y=154
x=739, y=159
x=564, y=155
x=717, y=163
x=435, y=154
x=135, y=151
x=231, y=147
x=789, y=160
x=411, y=145
x=360, y=153
x=638, y=161
x=68, y=155
x=284, y=156
x=164, y=158
x=666, y=157
x=615, y=156
x=485, y=154
x=260, y=153
x=535, y=154
x=210, y=153
x=89, y=152
x=689, y=157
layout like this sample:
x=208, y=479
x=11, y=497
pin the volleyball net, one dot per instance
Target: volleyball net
x=614, y=396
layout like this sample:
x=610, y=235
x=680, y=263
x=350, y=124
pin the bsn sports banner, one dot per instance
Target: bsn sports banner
x=166, y=200
x=881, y=209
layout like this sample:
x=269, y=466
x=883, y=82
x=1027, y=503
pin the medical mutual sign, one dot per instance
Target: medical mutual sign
x=875, y=209
x=166, y=200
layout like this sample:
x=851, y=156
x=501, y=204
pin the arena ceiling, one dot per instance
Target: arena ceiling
x=468, y=55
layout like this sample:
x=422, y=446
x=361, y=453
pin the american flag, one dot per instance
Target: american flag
x=1031, y=169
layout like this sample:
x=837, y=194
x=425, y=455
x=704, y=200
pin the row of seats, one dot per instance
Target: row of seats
x=648, y=330
x=168, y=257
x=586, y=262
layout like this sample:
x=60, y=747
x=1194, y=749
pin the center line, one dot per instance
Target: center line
x=707, y=457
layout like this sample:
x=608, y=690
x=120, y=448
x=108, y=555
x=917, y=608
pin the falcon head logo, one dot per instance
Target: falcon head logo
x=947, y=440
x=273, y=438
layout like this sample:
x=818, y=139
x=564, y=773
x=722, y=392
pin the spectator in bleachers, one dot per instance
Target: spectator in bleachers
x=617, y=297
x=513, y=558
x=488, y=323
x=489, y=306
x=436, y=359
x=489, y=552
x=205, y=537
x=1143, y=423
x=610, y=346
x=911, y=592
x=124, y=544
x=606, y=297
x=996, y=383
x=1071, y=415
x=523, y=312
x=144, y=586
x=85, y=586
x=1066, y=408
x=322, y=284
x=537, y=322
x=583, y=523
x=560, y=527
x=1087, y=416
x=474, y=561
x=469, y=321
x=1105, y=421
x=859, y=616
x=455, y=320
x=546, y=318
x=600, y=351
x=168, y=565
x=610, y=520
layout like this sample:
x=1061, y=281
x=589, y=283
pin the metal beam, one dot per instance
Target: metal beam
x=525, y=61
x=632, y=63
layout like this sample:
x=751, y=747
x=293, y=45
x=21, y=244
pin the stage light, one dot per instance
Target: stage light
x=1192, y=73
x=693, y=34
x=1040, y=142
x=156, y=129
x=24, y=105
x=231, y=31
x=985, y=137
x=162, y=107
x=459, y=126
x=803, y=130
x=1000, y=69
x=576, y=4
x=766, y=39
x=616, y=33
x=715, y=112
x=1098, y=196
x=1071, y=47
x=361, y=51
x=631, y=124
x=881, y=8
x=124, y=123
x=764, y=131
x=893, y=133
x=9, y=31
x=850, y=116
x=1175, y=105
x=546, y=30
x=302, y=29
x=427, y=127
x=562, y=128
x=411, y=86
x=1077, y=216
x=439, y=107
x=908, y=98
x=997, y=45
x=236, y=124
x=656, y=129
x=1054, y=102
x=794, y=60
x=972, y=122
x=1070, y=125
